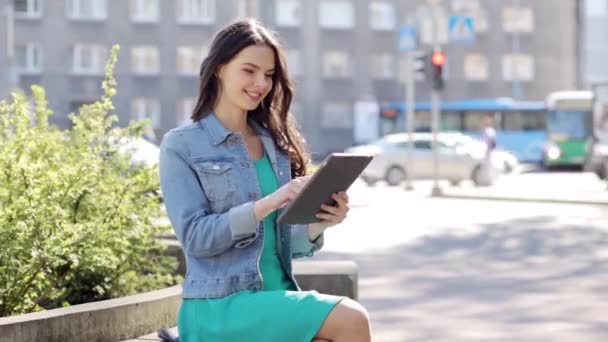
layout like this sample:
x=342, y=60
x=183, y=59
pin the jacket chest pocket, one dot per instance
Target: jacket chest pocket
x=217, y=178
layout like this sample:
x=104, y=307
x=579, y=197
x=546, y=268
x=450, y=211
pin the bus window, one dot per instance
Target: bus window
x=451, y=121
x=524, y=121
x=570, y=124
x=422, y=121
x=472, y=120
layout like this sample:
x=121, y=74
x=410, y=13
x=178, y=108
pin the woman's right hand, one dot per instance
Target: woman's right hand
x=280, y=197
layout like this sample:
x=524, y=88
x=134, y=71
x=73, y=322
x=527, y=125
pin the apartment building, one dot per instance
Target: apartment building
x=339, y=52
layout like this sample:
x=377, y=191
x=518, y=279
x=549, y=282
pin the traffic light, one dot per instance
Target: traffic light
x=420, y=65
x=437, y=62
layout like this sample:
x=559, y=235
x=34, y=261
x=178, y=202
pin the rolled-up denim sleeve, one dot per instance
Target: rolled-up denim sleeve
x=301, y=246
x=201, y=232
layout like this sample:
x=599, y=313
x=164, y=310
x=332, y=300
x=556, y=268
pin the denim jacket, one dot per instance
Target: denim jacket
x=209, y=185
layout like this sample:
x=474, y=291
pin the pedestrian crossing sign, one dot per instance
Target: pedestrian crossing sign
x=407, y=38
x=461, y=29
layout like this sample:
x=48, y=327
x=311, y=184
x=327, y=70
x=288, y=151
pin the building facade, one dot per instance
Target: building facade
x=339, y=52
x=595, y=43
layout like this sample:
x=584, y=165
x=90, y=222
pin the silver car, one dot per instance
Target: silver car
x=455, y=162
x=506, y=161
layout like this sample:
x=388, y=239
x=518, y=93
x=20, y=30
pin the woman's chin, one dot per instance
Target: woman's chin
x=250, y=106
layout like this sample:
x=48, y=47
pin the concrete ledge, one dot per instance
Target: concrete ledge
x=338, y=278
x=109, y=320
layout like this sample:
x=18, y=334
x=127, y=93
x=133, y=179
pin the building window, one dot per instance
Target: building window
x=293, y=61
x=28, y=8
x=517, y=20
x=336, y=64
x=196, y=11
x=337, y=115
x=28, y=58
x=86, y=9
x=89, y=59
x=382, y=15
x=426, y=27
x=518, y=67
x=145, y=60
x=476, y=67
x=144, y=11
x=189, y=59
x=382, y=65
x=288, y=13
x=146, y=108
x=185, y=107
x=596, y=8
x=337, y=14
x=473, y=9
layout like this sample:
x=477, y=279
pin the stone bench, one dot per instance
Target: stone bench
x=118, y=319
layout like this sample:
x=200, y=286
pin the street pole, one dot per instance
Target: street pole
x=409, y=120
x=435, y=101
x=10, y=47
x=515, y=48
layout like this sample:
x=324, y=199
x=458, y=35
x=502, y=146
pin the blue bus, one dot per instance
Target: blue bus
x=520, y=125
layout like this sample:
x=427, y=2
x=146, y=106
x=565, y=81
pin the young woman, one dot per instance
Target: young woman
x=224, y=179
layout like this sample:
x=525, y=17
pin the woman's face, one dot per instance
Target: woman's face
x=247, y=78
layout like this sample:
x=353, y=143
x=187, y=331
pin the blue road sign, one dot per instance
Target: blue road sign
x=407, y=38
x=461, y=29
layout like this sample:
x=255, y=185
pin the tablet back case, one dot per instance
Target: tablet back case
x=337, y=174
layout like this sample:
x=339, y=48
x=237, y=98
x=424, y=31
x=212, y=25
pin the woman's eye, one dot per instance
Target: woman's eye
x=249, y=71
x=270, y=76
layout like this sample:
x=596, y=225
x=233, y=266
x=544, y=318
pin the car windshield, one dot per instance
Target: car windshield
x=572, y=124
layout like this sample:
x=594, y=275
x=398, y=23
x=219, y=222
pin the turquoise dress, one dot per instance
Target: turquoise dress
x=277, y=313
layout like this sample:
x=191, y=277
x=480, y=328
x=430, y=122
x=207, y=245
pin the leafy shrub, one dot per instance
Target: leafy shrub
x=76, y=217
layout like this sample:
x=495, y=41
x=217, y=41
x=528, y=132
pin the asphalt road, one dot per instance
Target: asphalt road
x=436, y=269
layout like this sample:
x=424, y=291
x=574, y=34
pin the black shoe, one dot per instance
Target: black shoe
x=167, y=335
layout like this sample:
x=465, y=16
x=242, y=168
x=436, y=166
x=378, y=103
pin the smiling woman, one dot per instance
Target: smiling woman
x=225, y=179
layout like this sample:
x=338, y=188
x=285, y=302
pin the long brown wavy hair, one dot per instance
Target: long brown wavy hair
x=273, y=112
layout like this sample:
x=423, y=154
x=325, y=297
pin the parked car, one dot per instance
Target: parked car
x=506, y=161
x=456, y=162
x=142, y=151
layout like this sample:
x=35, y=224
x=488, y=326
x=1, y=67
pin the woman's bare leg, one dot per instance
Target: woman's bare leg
x=347, y=322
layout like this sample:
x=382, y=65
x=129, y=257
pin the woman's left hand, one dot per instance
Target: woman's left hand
x=333, y=215
x=329, y=215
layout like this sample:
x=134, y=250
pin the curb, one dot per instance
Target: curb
x=524, y=199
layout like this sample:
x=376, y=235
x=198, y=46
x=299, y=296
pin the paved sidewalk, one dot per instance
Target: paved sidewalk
x=583, y=188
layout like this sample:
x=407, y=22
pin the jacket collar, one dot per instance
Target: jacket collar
x=218, y=132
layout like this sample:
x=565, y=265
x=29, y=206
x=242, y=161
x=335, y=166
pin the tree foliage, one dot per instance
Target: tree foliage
x=76, y=216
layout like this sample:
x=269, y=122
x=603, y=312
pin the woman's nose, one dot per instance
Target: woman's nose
x=261, y=82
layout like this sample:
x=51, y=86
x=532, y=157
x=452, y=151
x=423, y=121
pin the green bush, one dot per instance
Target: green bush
x=75, y=215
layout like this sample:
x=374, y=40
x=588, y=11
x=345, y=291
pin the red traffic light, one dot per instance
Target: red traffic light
x=438, y=58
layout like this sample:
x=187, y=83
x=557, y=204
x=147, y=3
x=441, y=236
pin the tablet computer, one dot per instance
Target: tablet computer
x=337, y=173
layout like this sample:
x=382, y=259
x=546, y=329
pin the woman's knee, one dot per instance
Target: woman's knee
x=356, y=316
x=348, y=318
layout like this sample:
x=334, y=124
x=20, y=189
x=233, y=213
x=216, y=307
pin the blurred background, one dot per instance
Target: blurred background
x=343, y=54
